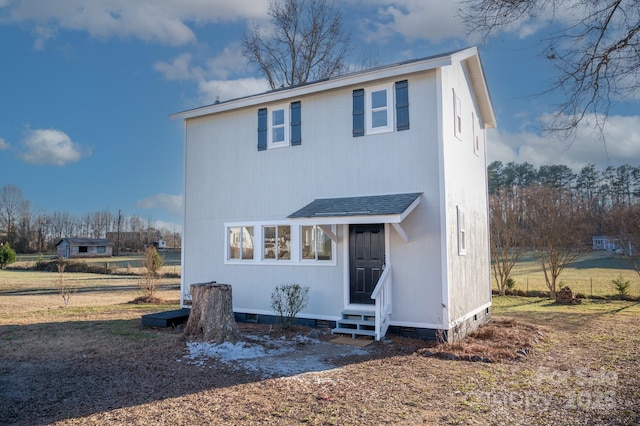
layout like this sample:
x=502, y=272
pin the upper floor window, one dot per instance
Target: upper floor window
x=378, y=109
x=374, y=112
x=476, y=134
x=278, y=134
x=279, y=126
x=457, y=116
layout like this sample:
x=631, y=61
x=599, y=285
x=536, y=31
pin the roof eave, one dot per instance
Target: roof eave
x=395, y=70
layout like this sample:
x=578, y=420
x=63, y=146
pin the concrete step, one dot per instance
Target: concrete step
x=356, y=322
x=353, y=332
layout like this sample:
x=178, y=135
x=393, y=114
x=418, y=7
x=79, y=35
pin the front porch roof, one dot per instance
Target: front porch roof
x=390, y=208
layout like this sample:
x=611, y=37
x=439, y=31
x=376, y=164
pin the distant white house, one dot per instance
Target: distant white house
x=369, y=188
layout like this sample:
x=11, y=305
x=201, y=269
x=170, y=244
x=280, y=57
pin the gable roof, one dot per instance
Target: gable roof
x=391, y=208
x=469, y=55
x=86, y=242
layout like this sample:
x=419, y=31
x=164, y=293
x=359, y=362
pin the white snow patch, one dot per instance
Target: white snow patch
x=271, y=357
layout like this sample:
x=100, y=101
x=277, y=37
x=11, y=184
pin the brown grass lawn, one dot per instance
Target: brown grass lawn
x=590, y=275
x=94, y=363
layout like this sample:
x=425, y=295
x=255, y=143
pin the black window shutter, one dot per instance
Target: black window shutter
x=296, y=134
x=402, y=105
x=358, y=112
x=262, y=129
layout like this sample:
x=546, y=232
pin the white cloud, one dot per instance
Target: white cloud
x=179, y=68
x=211, y=78
x=162, y=21
x=50, y=146
x=432, y=20
x=622, y=135
x=185, y=67
x=168, y=202
x=4, y=144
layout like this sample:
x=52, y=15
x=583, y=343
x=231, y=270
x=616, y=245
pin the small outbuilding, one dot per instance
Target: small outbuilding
x=74, y=248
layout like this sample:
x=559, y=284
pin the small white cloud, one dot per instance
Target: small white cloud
x=432, y=20
x=50, y=146
x=4, y=144
x=168, y=202
x=42, y=35
x=179, y=68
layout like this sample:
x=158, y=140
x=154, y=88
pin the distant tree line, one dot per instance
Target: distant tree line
x=30, y=232
x=554, y=212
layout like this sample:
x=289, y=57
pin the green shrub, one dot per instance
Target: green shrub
x=287, y=300
x=7, y=255
x=511, y=284
x=622, y=286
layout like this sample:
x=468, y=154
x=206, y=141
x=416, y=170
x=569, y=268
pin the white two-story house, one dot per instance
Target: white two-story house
x=368, y=188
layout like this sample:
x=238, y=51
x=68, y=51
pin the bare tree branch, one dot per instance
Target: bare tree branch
x=309, y=42
x=597, y=58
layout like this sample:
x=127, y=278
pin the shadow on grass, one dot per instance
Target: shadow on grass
x=50, y=372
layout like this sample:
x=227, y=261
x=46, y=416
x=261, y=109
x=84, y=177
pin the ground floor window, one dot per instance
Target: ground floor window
x=102, y=249
x=316, y=245
x=240, y=242
x=83, y=249
x=277, y=242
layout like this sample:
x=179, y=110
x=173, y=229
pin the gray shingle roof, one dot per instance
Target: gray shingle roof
x=86, y=241
x=375, y=205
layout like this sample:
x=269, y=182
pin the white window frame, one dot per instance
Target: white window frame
x=286, y=125
x=227, y=242
x=462, y=232
x=291, y=243
x=316, y=260
x=457, y=116
x=258, y=245
x=369, y=110
x=476, y=134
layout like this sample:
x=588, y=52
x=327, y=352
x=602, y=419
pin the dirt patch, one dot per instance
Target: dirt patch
x=100, y=367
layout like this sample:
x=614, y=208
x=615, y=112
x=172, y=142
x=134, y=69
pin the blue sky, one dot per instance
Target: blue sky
x=87, y=87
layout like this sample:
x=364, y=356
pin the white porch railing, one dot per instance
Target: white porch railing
x=382, y=296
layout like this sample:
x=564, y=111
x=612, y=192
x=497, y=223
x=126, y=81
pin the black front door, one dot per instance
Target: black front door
x=366, y=259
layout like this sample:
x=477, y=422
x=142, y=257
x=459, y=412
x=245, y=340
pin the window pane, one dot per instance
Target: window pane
x=308, y=250
x=277, y=117
x=278, y=134
x=379, y=118
x=323, y=245
x=247, y=242
x=269, y=239
x=379, y=99
x=234, y=242
x=284, y=242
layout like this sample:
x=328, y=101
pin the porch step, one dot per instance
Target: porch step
x=356, y=323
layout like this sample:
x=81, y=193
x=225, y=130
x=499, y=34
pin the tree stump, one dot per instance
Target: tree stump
x=211, y=316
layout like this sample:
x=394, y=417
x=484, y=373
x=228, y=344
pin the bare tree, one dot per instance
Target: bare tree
x=558, y=230
x=12, y=206
x=308, y=42
x=506, y=232
x=624, y=222
x=597, y=54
